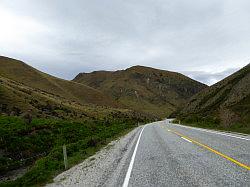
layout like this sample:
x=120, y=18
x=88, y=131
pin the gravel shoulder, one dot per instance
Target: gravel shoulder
x=106, y=168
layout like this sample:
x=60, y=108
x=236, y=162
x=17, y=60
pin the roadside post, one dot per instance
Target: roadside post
x=65, y=157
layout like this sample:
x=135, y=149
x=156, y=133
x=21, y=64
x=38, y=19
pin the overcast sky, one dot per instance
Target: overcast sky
x=204, y=39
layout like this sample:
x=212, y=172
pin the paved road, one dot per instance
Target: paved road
x=164, y=154
x=174, y=155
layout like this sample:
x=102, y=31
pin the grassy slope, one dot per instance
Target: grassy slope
x=145, y=89
x=23, y=87
x=17, y=98
x=22, y=73
x=226, y=103
x=20, y=141
x=40, y=144
x=64, y=112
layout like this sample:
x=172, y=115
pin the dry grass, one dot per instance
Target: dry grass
x=23, y=87
x=22, y=73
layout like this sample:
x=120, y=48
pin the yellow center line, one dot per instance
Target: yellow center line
x=212, y=150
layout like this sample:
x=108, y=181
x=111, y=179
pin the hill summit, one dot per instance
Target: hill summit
x=144, y=89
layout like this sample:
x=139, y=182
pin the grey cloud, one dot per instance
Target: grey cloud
x=196, y=36
x=210, y=78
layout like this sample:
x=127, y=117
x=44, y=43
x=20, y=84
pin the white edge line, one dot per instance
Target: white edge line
x=126, y=180
x=224, y=134
x=186, y=139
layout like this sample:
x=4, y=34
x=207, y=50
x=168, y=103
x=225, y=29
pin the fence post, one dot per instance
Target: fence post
x=65, y=157
x=179, y=122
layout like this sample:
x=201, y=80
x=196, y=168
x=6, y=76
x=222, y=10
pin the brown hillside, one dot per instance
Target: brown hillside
x=23, y=87
x=20, y=72
x=228, y=100
x=143, y=88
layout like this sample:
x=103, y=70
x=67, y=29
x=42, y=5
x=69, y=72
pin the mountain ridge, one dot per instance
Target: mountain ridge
x=143, y=88
x=24, y=88
x=21, y=72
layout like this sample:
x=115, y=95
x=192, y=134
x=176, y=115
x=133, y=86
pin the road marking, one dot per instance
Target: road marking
x=212, y=150
x=126, y=180
x=224, y=134
x=186, y=139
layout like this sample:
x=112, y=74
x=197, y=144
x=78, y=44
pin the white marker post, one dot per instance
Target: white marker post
x=65, y=157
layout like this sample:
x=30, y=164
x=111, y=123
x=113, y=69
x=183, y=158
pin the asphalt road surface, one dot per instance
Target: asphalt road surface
x=165, y=154
x=174, y=155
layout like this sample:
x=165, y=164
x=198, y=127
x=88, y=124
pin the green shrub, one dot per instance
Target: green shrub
x=40, y=144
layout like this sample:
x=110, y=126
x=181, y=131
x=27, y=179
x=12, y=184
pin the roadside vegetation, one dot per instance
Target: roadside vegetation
x=38, y=145
x=212, y=123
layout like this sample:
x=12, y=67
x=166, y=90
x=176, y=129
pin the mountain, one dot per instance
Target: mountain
x=20, y=72
x=39, y=114
x=24, y=88
x=153, y=91
x=227, y=103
